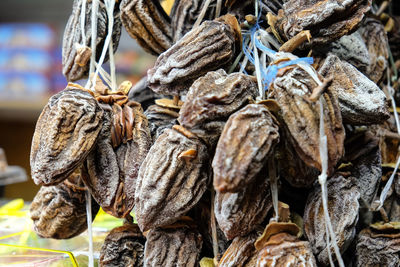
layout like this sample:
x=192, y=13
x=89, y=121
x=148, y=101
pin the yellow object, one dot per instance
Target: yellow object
x=207, y=262
x=167, y=5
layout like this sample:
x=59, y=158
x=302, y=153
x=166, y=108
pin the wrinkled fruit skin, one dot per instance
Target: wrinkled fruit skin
x=239, y=213
x=212, y=99
x=59, y=211
x=147, y=23
x=326, y=20
x=210, y=46
x=248, y=139
x=241, y=251
x=113, y=165
x=160, y=118
x=343, y=196
x=172, y=247
x=123, y=246
x=361, y=101
x=169, y=185
x=73, y=35
x=300, y=118
x=65, y=133
x=377, y=249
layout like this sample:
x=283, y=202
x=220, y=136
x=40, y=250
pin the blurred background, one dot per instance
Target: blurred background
x=31, y=35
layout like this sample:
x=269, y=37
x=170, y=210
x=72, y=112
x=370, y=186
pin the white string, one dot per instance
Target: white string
x=323, y=153
x=258, y=73
x=218, y=9
x=89, y=223
x=83, y=19
x=112, y=66
x=202, y=14
x=110, y=12
x=95, y=6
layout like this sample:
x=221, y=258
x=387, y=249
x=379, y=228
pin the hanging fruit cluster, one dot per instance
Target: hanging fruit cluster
x=275, y=147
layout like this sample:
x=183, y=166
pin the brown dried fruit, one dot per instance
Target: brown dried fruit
x=65, y=133
x=177, y=245
x=239, y=213
x=279, y=246
x=172, y=179
x=301, y=117
x=361, y=101
x=248, y=139
x=60, y=211
x=377, y=249
x=72, y=41
x=160, y=118
x=375, y=37
x=241, y=251
x=244, y=7
x=123, y=246
x=184, y=14
x=343, y=198
x=326, y=20
x=113, y=165
x=147, y=23
x=212, y=99
x=208, y=47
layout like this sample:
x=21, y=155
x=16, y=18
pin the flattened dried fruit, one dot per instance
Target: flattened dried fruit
x=176, y=245
x=239, y=213
x=73, y=45
x=361, y=101
x=113, y=165
x=343, y=198
x=60, y=211
x=244, y=7
x=248, y=139
x=301, y=117
x=147, y=23
x=65, y=133
x=123, y=246
x=160, y=118
x=377, y=249
x=184, y=14
x=208, y=47
x=241, y=251
x=172, y=179
x=212, y=99
x=279, y=246
x=374, y=35
x=326, y=20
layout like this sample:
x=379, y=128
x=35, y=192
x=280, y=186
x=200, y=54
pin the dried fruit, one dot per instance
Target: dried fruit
x=376, y=248
x=175, y=245
x=279, y=246
x=212, y=99
x=241, y=251
x=147, y=23
x=113, y=165
x=361, y=101
x=208, y=47
x=343, y=198
x=160, y=118
x=248, y=139
x=123, y=246
x=172, y=178
x=300, y=117
x=65, y=133
x=326, y=20
x=73, y=46
x=59, y=211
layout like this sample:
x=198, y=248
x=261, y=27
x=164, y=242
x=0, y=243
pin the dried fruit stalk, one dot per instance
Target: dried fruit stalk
x=73, y=46
x=172, y=178
x=123, y=246
x=65, y=133
x=208, y=47
x=147, y=23
x=60, y=211
x=248, y=139
x=175, y=245
x=343, y=198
